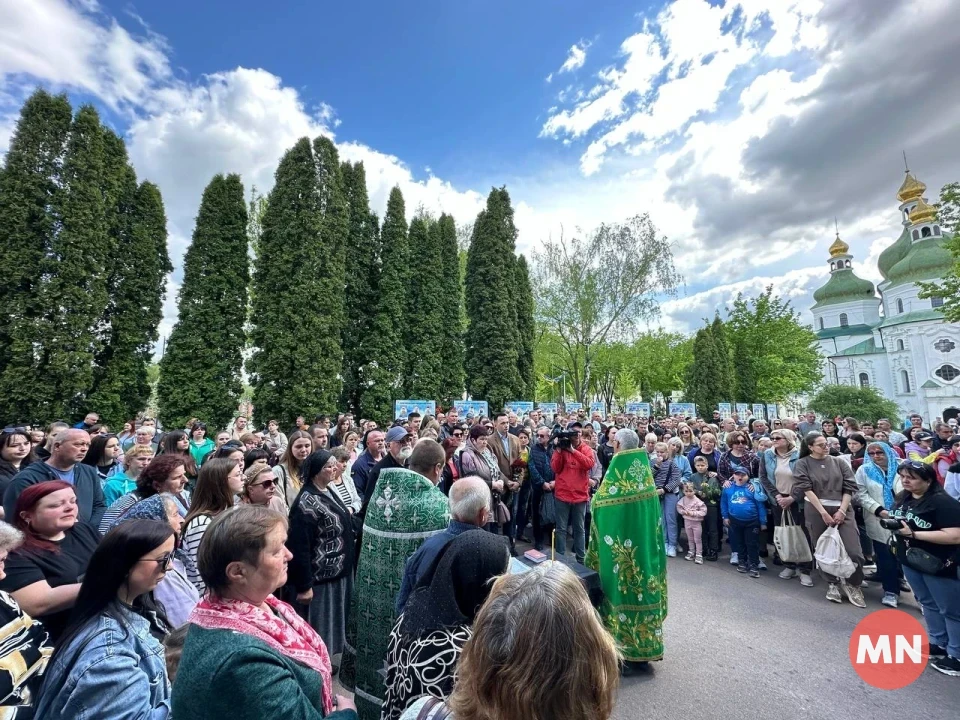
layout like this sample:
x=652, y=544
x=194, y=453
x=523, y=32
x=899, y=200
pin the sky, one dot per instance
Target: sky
x=745, y=128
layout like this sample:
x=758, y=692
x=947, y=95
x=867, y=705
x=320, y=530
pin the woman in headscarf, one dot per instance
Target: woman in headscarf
x=437, y=620
x=878, y=485
x=175, y=593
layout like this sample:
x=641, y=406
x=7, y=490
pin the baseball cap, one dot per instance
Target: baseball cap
x=923, y=436
x=739, y=470
x=396, y=434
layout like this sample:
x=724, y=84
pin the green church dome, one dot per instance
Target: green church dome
x=894, y=254
x=926, y=259
x=844, y=286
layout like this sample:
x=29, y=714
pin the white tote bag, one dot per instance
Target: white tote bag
x=790, y=541
x=832, y=556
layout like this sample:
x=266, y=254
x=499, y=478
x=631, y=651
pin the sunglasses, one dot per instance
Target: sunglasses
x=878, y=453
x=458, y=434
x=776, y=437
x=164, y=561
x=266, y=484
x=738, y=441
x=913, y=464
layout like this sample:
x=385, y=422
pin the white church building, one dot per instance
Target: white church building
x=898, y=343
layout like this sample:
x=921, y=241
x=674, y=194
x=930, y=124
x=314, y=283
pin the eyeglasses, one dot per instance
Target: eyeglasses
x=164, y=561
x=737, y=441
x=878, y=453
x=266, y=484
x=776, y=437
x=458, y=434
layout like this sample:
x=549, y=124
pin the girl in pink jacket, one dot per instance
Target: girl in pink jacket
x=693, y=510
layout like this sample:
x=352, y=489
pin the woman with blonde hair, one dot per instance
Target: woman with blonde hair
x=538, y=652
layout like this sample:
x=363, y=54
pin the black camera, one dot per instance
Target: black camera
x=563, y=438
x=890, y=523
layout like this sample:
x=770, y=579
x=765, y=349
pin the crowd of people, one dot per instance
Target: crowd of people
x=237, y=573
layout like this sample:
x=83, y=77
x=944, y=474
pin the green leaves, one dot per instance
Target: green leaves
x=448, y=295
x=864, y=404
x=200, y=370
x=948, y=288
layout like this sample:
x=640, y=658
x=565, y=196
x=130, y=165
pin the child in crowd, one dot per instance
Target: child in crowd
x=707, y=488
x=745, y=514
x=693, y=510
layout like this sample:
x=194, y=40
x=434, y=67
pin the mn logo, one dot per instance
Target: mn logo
x=888, y=649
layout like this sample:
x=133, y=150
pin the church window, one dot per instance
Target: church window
x=936, y=230
x=843, y=320
x=821, y=323
x=945, y=345
x=947, y=372
x=864, y=380
x=899, y=306
x=916, y=234
x=899, y=344
x=833, y=265
x=847, y=263
x=936, y=302
x=904, y=381
x=925, y=232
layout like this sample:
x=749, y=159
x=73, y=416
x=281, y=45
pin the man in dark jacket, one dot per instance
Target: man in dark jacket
x=68, y=450
x=541, y=476
x=373, y=442
x=399, y=446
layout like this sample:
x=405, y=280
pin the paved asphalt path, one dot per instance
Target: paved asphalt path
x=737, y=647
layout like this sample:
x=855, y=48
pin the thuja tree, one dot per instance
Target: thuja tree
x=424, y=322
x=449, y=288
x=200, y=370
x=523, y=304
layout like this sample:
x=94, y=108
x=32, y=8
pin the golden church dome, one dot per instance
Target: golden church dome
x=912, y=189
x=839, y=247
x=923, y=213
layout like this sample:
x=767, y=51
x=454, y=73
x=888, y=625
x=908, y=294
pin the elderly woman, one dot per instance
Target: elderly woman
x=342, y=483
x=827, y=484
x=26, y=649
x=777, y=478
x=928, y=545
x=878, y=484
x=322, y=542
x=477, y=459
x=667, y=478
x=260, y=487
x=571, y=674
x=437, y=619
x=247, y=655
x=175, y=593
x=43, y=575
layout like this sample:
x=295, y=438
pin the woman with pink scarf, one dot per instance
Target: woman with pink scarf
x=247, y=655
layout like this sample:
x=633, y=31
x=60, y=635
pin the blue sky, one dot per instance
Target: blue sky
x=742, y=126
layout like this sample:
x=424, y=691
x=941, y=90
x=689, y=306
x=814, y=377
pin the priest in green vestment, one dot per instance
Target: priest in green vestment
x=626, y=549
x=405, y=509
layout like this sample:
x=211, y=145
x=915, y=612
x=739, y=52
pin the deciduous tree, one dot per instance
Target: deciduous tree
x=863, y=403
x=948, y=288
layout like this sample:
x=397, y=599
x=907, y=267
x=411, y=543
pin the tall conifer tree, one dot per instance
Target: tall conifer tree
x=424, y=326
x=200, y=370
x=30, y=184
x=387, y=354
x=492, y=341
x=298, y=287
x=450, y=284
x=136, y=285
x=362, y=278
x=523, y=305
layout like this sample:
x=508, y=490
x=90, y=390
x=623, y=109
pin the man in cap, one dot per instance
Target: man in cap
x=399, y=444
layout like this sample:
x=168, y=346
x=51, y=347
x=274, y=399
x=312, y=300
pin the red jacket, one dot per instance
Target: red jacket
x=571, y=472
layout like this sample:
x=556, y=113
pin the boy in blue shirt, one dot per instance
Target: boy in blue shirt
x=745, y=514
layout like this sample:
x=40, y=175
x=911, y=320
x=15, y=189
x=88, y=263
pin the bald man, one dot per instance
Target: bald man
x=469, y=509
x=69, y=448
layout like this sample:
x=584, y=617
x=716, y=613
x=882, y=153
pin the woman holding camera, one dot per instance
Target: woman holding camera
x=928, y=545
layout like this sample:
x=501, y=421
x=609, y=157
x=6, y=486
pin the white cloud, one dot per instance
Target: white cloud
x=576, y=57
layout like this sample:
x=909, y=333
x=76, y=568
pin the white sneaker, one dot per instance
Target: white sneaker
x=806, y=580
x=788, y=574
x=671, y=551
x=762, y=565
x=833, y=593
x=890, y=600
x=735, y=559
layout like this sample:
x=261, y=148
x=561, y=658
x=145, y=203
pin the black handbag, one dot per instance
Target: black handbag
x=920, y=560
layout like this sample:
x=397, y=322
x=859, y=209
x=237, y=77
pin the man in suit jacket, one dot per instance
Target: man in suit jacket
x=506, y=448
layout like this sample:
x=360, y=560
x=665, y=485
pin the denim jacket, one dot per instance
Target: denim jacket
x=108, y=671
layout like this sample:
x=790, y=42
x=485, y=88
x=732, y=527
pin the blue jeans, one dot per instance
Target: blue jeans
x=940, y=599
x=887, y=568
x=745, y=541
x=671, y=528
x=571, y=513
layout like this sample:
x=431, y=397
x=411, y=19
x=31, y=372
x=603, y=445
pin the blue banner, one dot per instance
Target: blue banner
x=477, y=407
x=684, y=409
x=758, y=411
x=742, y=410
x=520, y=407
x=403, y=408
x=550, y=408
x=599, y=407
x=772, y=411
x=640, y=409
x=726, y=410
x=573, y=406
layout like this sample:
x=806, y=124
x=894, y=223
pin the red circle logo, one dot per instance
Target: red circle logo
x=889, y=649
